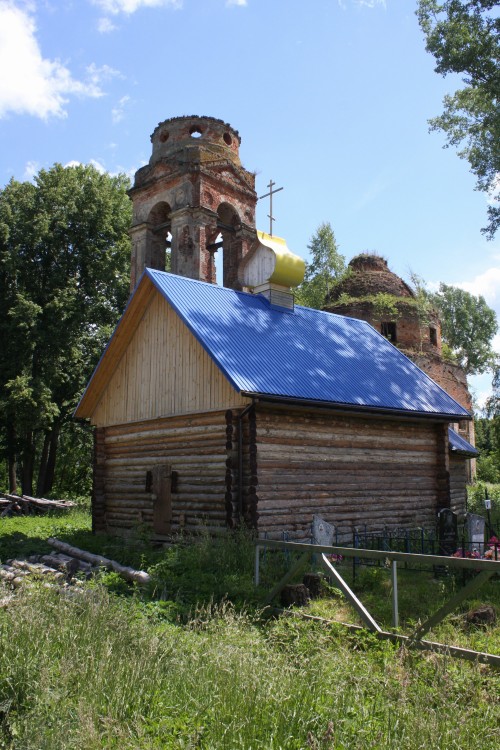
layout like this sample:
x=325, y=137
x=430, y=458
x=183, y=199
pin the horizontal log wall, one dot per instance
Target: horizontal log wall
x=164, y=371
x=458, y=479
x=194, y=446
x=351, y=471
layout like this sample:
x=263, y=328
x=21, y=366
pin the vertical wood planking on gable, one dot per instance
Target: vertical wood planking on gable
x=164, y=371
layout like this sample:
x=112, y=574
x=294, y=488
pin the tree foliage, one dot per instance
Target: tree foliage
x=464, y=37
x=326, y=265
x=64, y=255
x=468, y=326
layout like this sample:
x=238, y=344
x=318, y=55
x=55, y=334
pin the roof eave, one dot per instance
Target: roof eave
x=356, y=408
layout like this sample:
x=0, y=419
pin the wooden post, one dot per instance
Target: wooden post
x=350, y=595
x=395, y=604
x=443, y=468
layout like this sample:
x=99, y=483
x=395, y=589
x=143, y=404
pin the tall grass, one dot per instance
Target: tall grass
x=94, y=671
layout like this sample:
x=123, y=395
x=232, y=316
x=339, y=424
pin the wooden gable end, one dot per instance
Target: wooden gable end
x=163, y=371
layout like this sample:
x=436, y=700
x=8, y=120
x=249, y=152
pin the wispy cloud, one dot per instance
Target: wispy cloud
x=113, y=7
x=118, y=112
x=236, y=3
x=370, y=3
x=30, y=170
x=105, y=26
x=34, y=85
x=363, y=3
x=372, y=191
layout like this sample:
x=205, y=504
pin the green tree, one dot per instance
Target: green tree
x=488, y=463
x=326, y=265
x=468, y=326
x=64, y=260
x=464, y=37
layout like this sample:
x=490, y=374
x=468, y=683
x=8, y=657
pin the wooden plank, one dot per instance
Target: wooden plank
x=452, y=603
x=351, y=596
x=372, y=554
x=162, y=499
x=457, y=652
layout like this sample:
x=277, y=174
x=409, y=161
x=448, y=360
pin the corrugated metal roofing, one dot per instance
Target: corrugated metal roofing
x=307, y=355
x=459, y=445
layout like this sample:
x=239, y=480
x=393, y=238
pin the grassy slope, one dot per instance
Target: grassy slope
x=107, y=671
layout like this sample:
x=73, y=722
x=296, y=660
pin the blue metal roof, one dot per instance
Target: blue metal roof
x=459, y=445
x=305, y=355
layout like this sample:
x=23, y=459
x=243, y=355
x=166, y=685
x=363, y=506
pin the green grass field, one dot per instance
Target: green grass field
x=191, y=663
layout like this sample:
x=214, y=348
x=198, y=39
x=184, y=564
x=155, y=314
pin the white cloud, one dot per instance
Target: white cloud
x=370, y=3
x=105, y=25
x=363, y=3
x=130, y=172
x=93, y=162
x=487, y=285
x=34, y=85
x=113, y=7
x=97, y=164
x=238, y=3
x=118, y=112
x=31, y=169
x=98, y=74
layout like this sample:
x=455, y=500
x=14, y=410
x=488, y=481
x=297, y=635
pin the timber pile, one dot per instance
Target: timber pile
x=61, y=567
x=24, y=505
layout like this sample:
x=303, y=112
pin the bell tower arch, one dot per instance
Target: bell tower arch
x=193, y=198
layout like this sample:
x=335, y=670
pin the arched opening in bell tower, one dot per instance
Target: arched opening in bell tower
x=160, y=237
x=226, y=260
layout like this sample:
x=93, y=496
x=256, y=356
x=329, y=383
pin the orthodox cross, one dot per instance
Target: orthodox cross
x=270, y=196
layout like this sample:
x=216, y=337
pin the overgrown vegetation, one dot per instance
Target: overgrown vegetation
x=119, y=668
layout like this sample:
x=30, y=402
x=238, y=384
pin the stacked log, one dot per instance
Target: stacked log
x=19, y=505
x=61, y=567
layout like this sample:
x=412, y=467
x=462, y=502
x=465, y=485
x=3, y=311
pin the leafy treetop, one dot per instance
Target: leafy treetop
x=468, y=326
x=326, y=265
x=464, y=37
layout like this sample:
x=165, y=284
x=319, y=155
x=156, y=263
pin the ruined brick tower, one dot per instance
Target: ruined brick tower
x=372, y=292
x=194, y=198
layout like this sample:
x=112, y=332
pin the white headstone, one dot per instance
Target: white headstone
x=322, y=531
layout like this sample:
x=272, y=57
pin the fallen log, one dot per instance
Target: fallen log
x=12, y=504
x=67, y=565
x=138, y=576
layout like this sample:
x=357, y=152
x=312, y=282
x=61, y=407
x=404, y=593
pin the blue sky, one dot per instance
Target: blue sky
x=331, y=99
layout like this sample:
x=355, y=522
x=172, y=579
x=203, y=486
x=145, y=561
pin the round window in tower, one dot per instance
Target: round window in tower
x=227, y=139
x=164, y=136
x=195, y=132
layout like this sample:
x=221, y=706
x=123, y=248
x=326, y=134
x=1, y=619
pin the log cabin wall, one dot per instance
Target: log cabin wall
x=195, y=449
x=164, y=371
x=352, y=471
x=458, y=481
x=98, y=484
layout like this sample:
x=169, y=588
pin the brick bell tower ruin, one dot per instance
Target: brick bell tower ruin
x=193, y=199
